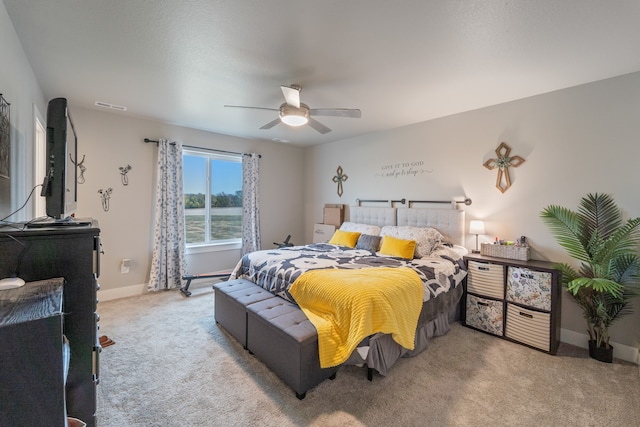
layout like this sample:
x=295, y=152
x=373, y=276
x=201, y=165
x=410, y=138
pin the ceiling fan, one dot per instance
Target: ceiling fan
x=294, y=113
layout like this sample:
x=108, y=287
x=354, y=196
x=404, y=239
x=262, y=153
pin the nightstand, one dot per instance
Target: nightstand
x=515, y=300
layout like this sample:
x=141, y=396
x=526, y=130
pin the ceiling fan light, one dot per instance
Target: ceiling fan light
x=293, y=120
x=294, y=116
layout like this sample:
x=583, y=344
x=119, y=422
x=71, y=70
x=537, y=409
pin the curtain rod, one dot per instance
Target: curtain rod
x=390, y=202
x=147, y=140
x=466, y=201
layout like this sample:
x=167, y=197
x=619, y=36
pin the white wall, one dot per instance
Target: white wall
x=111, y=140
x=576, y=141
x=20, y=88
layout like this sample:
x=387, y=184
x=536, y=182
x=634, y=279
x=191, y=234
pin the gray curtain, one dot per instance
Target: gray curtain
x=250, y=205
x=168, y=263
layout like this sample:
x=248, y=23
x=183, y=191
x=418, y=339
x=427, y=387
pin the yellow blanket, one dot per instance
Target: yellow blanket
x=346, y=306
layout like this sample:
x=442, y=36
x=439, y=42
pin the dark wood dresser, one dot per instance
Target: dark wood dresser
x=31, y=355
x=72, y=253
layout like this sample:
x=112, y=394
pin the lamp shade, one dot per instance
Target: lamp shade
x=476, y=227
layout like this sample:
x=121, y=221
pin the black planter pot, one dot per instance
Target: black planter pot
x=601, y=353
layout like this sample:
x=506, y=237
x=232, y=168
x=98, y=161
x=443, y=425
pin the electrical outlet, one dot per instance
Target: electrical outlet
x=124, y=265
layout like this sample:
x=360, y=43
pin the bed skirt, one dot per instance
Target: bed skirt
x=380, y=351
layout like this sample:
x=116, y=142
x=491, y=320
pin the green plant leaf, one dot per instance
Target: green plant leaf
x=597, y=284
x=566, y=226
x=607, y=249
x=567, y=273
x=601, y=215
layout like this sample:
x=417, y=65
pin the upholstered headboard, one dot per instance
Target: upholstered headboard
x=449, y=222
x=373, y=215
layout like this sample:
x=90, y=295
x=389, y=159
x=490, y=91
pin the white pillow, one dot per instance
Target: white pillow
x=426, y=238
x=372, y=230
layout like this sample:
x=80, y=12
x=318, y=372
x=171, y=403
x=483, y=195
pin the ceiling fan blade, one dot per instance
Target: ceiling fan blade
x=271, y=124
x=336, y=112
x=291, y=95
x=318, y=126
x=253, y=108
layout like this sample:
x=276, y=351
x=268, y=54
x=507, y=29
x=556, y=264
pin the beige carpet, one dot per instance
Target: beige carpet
x=171, y=365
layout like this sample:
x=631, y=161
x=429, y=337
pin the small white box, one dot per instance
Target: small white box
x=322, y=233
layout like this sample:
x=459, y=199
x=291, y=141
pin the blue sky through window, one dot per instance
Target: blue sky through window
x=225, y=176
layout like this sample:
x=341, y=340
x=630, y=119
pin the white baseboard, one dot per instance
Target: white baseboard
x=620, y=351
x=124, y=292
x=135, y=290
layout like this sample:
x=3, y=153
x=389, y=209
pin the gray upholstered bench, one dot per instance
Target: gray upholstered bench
x=231, y=300
x=283, y=338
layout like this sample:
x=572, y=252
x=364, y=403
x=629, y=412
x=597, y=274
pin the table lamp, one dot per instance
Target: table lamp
x=476, y=227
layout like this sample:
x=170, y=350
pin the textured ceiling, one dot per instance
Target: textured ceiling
x=400, y=62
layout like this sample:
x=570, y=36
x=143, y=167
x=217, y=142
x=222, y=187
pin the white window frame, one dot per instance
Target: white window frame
x=216, y=245
x=40, y=160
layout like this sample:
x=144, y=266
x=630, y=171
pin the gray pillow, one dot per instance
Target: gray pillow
x=369, y=243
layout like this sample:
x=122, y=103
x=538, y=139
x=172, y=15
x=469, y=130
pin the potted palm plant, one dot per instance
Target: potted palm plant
x=609, y=274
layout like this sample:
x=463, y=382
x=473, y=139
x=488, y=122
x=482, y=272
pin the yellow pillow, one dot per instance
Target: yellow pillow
x=345, y=238
x=398, y=247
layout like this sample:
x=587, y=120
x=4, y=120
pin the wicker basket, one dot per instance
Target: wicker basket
x=521, y=253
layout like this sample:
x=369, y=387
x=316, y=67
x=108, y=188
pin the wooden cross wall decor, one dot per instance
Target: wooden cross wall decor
x=339, y=179
x=503, y=162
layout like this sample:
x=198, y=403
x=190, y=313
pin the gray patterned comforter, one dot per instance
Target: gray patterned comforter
x=276, y=269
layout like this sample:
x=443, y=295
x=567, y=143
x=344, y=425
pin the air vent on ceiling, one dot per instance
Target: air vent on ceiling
x=112, y=106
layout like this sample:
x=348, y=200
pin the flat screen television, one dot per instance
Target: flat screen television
x=60, y=186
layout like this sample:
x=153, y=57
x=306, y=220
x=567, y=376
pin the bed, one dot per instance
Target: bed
x=438, y=262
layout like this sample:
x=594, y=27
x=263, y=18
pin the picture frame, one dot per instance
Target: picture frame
x=5, y=138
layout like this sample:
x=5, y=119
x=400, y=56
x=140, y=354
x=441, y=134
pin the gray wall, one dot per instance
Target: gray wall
x=20, y=88
x=111, y=140
x=574, y=141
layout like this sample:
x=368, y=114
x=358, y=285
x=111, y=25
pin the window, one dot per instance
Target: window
x=212, y=185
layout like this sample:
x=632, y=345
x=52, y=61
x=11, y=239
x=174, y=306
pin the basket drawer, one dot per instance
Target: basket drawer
x=485, y=279
x=528, y=326
x=529, y=287
x=484, y=314
x=506, y=251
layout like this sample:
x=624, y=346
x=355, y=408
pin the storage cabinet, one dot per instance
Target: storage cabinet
x=72, y=253
x=515, y=300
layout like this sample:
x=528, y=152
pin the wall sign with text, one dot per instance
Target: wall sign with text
x=410, y=169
